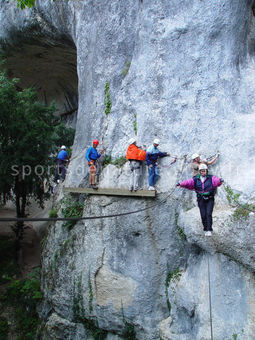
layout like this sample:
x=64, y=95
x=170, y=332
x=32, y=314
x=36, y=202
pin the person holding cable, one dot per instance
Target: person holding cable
x=204, y=185
x=92, y=156
x=196, y=161
x=152, y=156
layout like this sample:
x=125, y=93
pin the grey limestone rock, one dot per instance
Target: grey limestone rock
x=182, y=71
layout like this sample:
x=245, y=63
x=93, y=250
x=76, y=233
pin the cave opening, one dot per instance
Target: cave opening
x=50, y=67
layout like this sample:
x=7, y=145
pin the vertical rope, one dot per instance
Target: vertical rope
x=210, y=300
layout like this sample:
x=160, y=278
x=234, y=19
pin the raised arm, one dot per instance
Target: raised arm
x=213, y=160
x=187, y=184
x=216, y=181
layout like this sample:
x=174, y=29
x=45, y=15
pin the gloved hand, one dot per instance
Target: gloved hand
x=221, y=180
x=178, y=184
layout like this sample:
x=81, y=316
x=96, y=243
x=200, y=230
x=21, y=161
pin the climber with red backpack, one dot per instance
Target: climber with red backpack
x=135, y=155
x=92, y=156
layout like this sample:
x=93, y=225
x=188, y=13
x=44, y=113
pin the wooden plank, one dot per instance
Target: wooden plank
x=111, y=192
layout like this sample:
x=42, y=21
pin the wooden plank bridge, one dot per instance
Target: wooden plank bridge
x=111, y=192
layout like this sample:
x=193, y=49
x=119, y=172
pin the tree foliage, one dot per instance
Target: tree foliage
x=27, y=3
x=30, y=134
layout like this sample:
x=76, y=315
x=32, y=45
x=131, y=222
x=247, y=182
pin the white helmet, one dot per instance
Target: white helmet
x=195, y=155
x=203, y=167
x=156, y=141
x=63, y=147
x=131, y=141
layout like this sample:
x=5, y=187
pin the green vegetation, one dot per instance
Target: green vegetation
x=107, y=160
x=171, y=275
x=79, y=313
x=126, y=69
x=8, y=266
x=55, y=259
x=181, y=233
x=63, y=135
x=42, y=242
x=61, y=251
x=129, y=331
x=119, y=162
x=53, y=213
x=23, y=296
x=135, y=123
x=235, y=335
x=231, y=197
x=29, y=132
x=27, y=3
x=72, y=208
x=107, y=98
x=179, y=229
x=174, y=275
x=4, y=328
x=90, y=294
x=242, y=210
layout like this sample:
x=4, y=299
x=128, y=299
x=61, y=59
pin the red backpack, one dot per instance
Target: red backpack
x=141, y=155
x=133, y=152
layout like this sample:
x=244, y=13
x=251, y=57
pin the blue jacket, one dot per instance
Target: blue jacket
x=62, y=155
x=153, y=154
x=92, y=154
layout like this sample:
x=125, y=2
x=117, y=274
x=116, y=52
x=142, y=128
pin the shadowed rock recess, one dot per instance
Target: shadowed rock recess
x=181, y=71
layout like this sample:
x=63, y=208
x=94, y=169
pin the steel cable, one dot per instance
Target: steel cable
x=55, y=219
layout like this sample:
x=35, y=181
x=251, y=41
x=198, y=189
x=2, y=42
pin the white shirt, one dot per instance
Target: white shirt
x=202, y=178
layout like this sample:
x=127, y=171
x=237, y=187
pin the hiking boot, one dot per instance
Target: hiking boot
x=151, y=188
x=130, y=189
x=208, y=233
x=94, y=187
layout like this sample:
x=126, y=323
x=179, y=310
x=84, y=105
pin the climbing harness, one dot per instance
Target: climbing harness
x=132, y=166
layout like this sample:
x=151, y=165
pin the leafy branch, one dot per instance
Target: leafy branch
x=107, y=99
x=27, y=3
x=242, y=210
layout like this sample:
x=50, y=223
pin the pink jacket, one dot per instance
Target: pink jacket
x=190, y=184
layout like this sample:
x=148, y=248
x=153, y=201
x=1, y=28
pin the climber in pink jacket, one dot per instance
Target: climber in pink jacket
x=205, y=186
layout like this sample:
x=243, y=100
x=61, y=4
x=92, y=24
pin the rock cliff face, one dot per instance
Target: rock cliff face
x=182, y=71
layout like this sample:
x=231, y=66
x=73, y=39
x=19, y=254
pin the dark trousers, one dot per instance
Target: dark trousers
x=206, y=209
x=61, y=169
